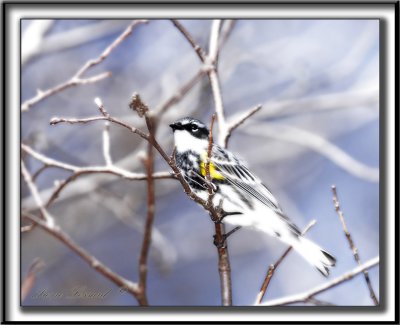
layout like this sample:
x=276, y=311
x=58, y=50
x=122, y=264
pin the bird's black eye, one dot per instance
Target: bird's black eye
x=194, y=127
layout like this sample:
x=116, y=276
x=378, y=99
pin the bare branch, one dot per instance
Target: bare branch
x=181, y=92
x=306, y=296
x=200, y=52
x=63, y=237
x=239, y=121
x=106, y=144
x=272, y=268
x=317, y=143
x=209, y=62
x=352, y=244
x=30, y=279
x=91, y=169
x=49, y=225
x=32, y=38
x=226, y=31
x=149, y=165
x=77, y=78
x=35, y=193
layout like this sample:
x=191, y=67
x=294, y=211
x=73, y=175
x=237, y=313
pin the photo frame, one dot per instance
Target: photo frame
x=15, y=311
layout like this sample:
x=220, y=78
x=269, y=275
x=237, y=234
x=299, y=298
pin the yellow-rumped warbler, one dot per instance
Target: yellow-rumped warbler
x=245, y=199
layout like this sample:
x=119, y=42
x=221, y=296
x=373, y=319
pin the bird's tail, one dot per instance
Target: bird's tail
x=321, y=259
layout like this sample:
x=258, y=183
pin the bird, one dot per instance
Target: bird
x=239, y=193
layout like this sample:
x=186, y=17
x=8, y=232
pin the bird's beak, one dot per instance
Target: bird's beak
x=176, y=126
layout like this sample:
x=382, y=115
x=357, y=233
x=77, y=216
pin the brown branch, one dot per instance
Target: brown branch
x=200, y=52
x=77, y=78
x=30, y=279
x=352, y=244
x=238, y=122
x=63, y=237
x=272, y=268
x=149, y=165
x=306, y=296
x=48, y=224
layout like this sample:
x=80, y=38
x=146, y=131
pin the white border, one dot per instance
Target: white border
x=274, y=11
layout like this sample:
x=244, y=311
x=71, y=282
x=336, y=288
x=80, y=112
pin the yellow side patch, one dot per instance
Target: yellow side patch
x=214, y=174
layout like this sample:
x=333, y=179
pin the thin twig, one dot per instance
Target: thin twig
x=352, y=244
x=306, y=296
x=272, y=268
x=200, y=52
x=180, y=93
x=239, y=121
x=77, y=78
x=35, y=193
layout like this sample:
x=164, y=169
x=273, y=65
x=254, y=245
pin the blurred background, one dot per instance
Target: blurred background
x=318, y=82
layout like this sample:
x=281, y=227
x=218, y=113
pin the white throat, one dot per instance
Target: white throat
x=185, y=141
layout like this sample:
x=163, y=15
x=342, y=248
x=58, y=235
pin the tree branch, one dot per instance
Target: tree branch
x=77, y=78
x=306, y=296
x=239, y=121
x=48, y=224
x=352, y=244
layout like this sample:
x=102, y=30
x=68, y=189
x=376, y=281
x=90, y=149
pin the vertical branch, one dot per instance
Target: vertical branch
x=144, y=253
x=223, y=257
x=106, y=144
x=352, y=245
x=214, y=80
x=208, y=162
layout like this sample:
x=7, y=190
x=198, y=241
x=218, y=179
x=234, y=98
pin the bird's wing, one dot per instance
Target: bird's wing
x=237, y=174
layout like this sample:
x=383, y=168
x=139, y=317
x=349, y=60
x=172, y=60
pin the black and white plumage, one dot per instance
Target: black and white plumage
x=239, y=190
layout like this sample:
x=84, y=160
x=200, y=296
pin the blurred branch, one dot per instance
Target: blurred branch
x=81, y=35
x=321, y=103
x=226, y=30
x=33, y=38
x=181, y=92
x=272, y=268
x=306, y=296
x=318, y=144
x=48, y=224
x=352, y=245
x=77, y=78
x=106, y=144
x=30, y=279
